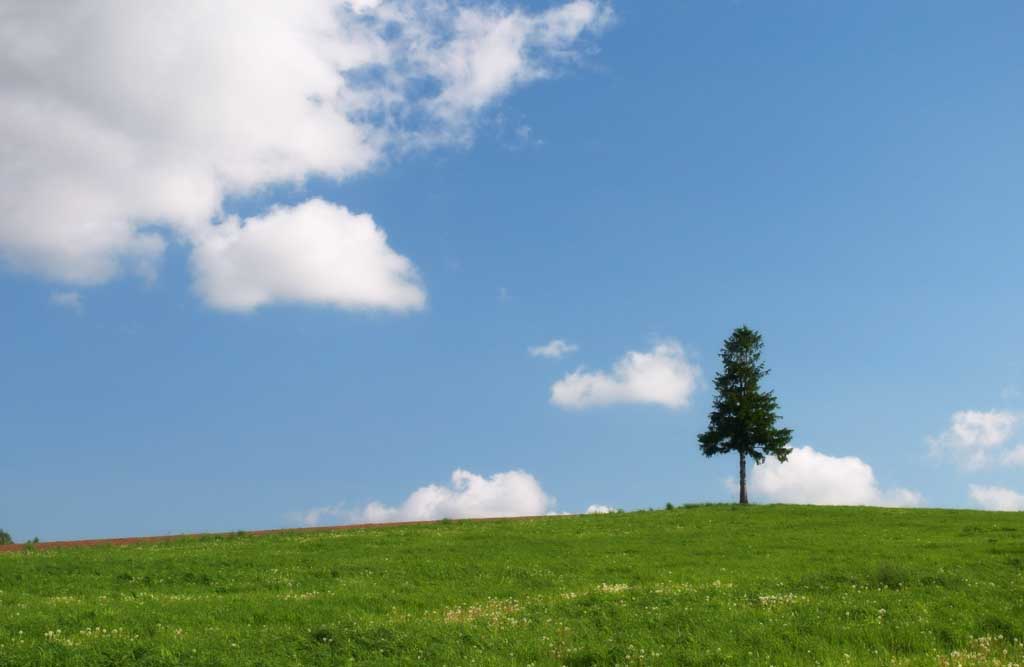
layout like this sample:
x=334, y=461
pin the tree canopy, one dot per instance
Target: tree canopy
x=743, y=416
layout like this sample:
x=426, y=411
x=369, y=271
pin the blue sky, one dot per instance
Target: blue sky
x=843, y=177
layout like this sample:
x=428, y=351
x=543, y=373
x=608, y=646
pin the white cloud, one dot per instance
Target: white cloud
x=505, y=494
x=67, y=299
x=553, y=350
x=1014, y=457
x=490, y=52
x=314, y=253
x=599, y=509
x=812, y=478
x=125, y=126
x=997, y=498
x=662, y=376
x=973, y=436
x=321, y=516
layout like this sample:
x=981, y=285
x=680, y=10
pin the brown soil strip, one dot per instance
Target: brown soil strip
x=120, y=541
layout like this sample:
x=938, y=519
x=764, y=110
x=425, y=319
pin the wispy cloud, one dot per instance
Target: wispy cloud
x=996, y=498
x=553, y=350
x=975, y=438
x=67, y=299
x=1014, y=457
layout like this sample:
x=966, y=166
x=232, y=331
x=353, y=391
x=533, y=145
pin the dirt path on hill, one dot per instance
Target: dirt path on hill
x=120, y=541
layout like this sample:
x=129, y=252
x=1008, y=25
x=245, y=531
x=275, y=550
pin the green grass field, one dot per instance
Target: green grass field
x=709, y=585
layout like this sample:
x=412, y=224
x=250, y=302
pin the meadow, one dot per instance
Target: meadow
x=702, y=585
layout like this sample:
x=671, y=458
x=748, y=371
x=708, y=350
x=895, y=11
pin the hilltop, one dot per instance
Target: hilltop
x=707, y=585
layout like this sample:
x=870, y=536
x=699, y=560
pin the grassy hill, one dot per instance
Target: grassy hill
x=710, y=585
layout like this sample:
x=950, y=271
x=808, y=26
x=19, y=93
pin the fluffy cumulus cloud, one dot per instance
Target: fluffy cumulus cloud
x=812, y=478
x=975, y=438
x=599, y=509
x=126, y=125
x=468, y=496
x=996, y=498
x=553, y=350
x=662, y=376
x=315, y=252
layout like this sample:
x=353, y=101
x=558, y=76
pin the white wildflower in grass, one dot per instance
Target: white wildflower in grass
x=491, y=611
x=673, y=588
x=553, y=585
x=308, y=595
x=782, y=599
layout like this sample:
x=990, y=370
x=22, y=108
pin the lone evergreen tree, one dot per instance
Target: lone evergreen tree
x=743, y=417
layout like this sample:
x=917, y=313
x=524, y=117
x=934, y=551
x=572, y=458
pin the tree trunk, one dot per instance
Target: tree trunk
x=743, y=479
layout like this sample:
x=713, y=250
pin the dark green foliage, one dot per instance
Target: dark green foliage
x=5, y=537
x=743, y=416
x=892, y=576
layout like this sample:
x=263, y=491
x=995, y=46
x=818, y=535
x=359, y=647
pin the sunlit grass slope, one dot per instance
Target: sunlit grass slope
x=712, y=585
